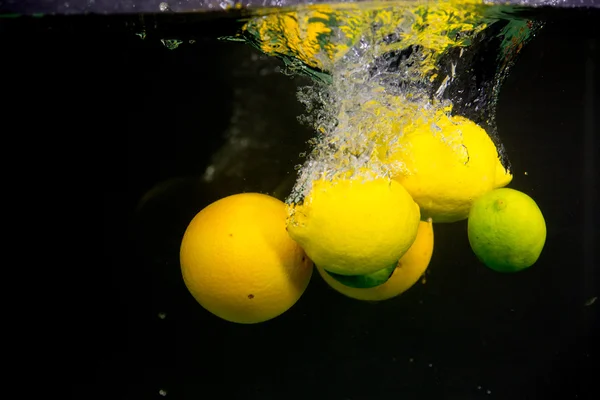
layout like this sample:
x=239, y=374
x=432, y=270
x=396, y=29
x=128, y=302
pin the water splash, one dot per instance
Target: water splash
x=378, y=69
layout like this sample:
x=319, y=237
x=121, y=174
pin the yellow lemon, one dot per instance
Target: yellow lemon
x=507, y=230
x=355, y=225
x=446, y=164
x=238, y=261
x=408, y=271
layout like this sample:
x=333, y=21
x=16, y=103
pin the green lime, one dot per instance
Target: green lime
x=507, y=231
x=364, y=281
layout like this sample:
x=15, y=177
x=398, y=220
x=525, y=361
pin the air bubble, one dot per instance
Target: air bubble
x=226, y=4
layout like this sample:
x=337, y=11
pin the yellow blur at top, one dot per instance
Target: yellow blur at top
x=445, y=164
x=238, y=261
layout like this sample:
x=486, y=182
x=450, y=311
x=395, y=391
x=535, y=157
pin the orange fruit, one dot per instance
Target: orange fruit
x=239, y=262
x=410, y=268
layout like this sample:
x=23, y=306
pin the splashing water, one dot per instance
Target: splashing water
x=378, y=69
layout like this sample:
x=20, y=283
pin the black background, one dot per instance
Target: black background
x=153, y=114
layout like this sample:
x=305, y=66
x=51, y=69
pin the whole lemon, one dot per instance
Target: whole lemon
x=445, y=163
x=355, y=225
x=507, y=230
x=407, y=272
x=238, y=261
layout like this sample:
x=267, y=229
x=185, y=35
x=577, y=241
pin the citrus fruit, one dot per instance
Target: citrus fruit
x=238, y=261
x=506, y=229
x=355, y=225
x=366, y=280
x=445, y=163
x=406, y=273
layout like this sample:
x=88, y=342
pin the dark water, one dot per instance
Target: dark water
x=160, y=116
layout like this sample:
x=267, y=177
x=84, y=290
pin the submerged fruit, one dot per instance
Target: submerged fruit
x=363, y=281
x=355, y=226
x=445, y=163
x=238, y=261
x=405, y=274
x=507, y=231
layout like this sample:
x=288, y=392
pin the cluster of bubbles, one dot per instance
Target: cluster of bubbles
x=372, y=95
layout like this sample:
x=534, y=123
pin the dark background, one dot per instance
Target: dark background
x=151, y=120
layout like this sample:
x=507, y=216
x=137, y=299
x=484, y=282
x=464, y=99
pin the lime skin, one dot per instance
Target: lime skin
x=366, y=280
x=506, y=230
